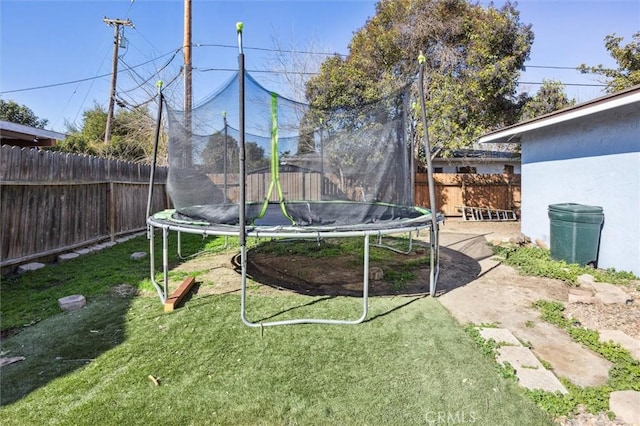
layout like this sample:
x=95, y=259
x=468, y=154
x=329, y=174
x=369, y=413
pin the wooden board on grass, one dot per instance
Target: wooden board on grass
x=177, y=296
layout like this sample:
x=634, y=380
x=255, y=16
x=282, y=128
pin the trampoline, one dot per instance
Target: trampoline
x=250, y=163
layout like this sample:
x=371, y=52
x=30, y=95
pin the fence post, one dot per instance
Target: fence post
x=509, y=192
x=464, y=189
x=112, y=211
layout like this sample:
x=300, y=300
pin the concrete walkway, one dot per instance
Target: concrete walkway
x=502, y=298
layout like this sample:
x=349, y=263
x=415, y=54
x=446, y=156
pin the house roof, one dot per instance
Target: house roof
x=479, y=155
x=511, y=134
x=14, y=131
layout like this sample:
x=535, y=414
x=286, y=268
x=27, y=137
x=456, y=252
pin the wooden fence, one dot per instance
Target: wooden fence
x=304, y=185
x=500, y=191
x=52, y=202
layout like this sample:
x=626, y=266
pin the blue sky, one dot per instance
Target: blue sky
x=52, y=43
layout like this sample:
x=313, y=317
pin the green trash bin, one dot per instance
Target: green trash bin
x=575, y=232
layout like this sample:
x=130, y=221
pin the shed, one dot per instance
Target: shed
x=587, y=154
x=27, y=136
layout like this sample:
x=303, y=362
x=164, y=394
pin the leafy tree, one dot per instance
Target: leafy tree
x=214, y=152
x=628, y=58
x=474, y=57
x=255, y=156
x=20, y=114
x=75, y=143
x=550, y=97
x=213, y=155
x=132, y=136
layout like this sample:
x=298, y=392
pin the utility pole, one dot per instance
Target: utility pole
x=188, y=68
x=188, y=98
x=117, y=40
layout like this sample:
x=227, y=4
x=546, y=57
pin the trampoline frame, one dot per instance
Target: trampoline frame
x=243, y=230
x=280, y=232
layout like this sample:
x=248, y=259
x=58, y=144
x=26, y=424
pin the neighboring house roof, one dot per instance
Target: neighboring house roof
x=19, y=134
x=511, y=134
x=479, y=155
x=285, y=168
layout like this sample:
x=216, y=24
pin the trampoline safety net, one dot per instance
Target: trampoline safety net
x=304, y=166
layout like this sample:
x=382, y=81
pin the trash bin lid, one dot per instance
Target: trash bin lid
x=575, y=208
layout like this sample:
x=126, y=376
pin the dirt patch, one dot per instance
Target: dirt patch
x=124, y=290
x=334, y=275
x=598, y=316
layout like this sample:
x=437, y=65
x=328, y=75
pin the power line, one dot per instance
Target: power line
x=267, y=49
x=566, y=84
x=47, y=86
x=222, y=69
x=307, y=52
x=176, y=51
x=258, y=71
x=55, y=84
x=552, y=67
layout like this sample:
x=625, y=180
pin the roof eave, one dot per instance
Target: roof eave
x=8, y=127
x=512, y=134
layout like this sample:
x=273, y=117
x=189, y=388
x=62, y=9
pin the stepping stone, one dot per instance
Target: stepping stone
x=82, y=251
x=540, y=379
x=499, y=335
x=519, y=357
x=623, y=339
x=33, y=266
x=626, y=406
x=138, y=255
x=577, y=295
x=613, y=298
x=67, y=256
x=586, y=281
x=610, y=294
x=72, y=303
x=529, y=370
x=109, y=244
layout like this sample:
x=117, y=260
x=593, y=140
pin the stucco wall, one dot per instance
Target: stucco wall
x=594, y=160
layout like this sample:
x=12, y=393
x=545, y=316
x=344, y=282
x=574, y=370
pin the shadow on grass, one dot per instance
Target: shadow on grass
x=293, y=308
x=394, y=309
x=56, y=343
x=61, y=344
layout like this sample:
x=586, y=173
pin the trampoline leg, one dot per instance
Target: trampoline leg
x=243, y=287
x=434, y=260
x=384, y=246
x=162, y=290
x=365, y=297
x=165, y=261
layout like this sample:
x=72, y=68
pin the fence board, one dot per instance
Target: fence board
x=452, y=190
x=51, y=202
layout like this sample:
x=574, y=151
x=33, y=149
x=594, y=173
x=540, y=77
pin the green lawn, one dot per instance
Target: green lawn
x=410, y=363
